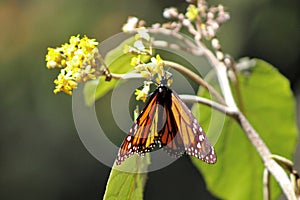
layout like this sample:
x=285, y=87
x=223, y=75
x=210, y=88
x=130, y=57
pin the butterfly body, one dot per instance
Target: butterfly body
x=166, y=122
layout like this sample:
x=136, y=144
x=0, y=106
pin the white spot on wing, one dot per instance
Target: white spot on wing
x=195, y=123
x=194, y=130
x=201, y=137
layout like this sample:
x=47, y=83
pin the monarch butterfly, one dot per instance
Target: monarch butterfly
x=166, y=122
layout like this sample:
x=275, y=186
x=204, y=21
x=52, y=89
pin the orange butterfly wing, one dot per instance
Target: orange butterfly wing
x=194, y=138
x=166, y=122
x=142, y=136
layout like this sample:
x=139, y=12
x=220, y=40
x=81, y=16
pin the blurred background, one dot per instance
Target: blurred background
x=41, y=155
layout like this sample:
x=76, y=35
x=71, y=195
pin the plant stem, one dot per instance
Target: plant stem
x=221, y=72
x=274, y=168
x=196, y=99
x=197, y=79
x=266, y=184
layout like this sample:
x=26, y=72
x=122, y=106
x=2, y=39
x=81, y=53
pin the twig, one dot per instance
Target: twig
x=196, y=99
x=266, y=184
x=190, y=45
x=196, y=78
x=200, y=49
x=116, y=76
x=124, y=76
x=165, y=44
x=221, y=72
x=273, y=167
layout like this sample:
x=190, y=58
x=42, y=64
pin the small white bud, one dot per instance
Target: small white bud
x=219, y=55
x=170, y=13
x=215, y=43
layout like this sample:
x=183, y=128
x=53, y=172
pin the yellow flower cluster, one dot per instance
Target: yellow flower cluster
x=148, y=70
x=77, y=61
x=152, y=70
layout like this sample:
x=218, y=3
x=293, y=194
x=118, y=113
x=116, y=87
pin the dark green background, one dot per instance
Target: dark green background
x=41, y=155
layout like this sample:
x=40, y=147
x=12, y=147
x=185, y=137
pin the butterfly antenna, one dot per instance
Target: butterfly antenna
x=165, y=78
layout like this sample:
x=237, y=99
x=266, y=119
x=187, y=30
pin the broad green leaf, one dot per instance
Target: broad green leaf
x=127, y=180
x=270, y=108
x=125, y=185
x=119, y=63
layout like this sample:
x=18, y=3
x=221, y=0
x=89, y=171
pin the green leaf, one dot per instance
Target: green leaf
x=119, y=63
x=125, y=185
x=127, y=181
x=270, y=108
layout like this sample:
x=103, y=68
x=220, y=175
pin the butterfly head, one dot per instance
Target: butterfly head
x=166, y=79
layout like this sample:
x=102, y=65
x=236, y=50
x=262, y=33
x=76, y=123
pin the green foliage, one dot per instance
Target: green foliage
x=125, y=185
x=270, y=108
x=127, y=180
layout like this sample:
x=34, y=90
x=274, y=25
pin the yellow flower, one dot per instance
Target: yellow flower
x=77, y=60
x=146, y=74
x=158, y=64
x=74, y=40
x=135, y=60
x=192, y=12
x=142, y=94
x=87, y=45
x=65, y=82
x=55, y=58
x=148, y=70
